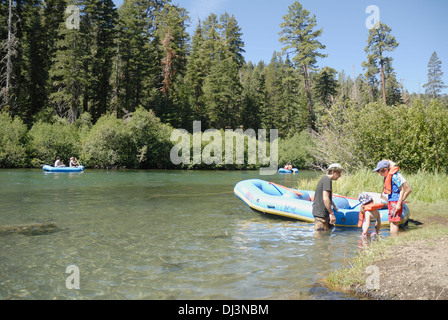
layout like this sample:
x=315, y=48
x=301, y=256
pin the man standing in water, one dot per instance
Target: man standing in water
x=324, y=218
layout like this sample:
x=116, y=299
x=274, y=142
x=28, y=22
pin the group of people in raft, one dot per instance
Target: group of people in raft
x=73, y=163
x=395, y=188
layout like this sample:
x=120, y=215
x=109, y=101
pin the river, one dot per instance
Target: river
x=158, y=235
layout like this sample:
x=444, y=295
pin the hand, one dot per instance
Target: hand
x=393, y=212
x=332, y=219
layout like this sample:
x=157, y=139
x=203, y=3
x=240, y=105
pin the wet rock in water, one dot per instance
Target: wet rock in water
x=32, y=229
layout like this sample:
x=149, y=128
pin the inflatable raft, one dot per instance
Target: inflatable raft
x=63, y=169
x=270, y=198
x=283, y=170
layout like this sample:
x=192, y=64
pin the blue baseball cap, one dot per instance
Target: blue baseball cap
x=384, y=164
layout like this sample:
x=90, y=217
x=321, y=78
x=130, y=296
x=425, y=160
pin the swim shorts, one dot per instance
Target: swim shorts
x=394, y=216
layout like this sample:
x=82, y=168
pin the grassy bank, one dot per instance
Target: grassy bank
x=354, y=274
x=428, y=203
x=426, y=187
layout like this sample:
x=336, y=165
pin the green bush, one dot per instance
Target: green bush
x=151, y=139
x=13, y=135
x=297, y=150
x=50, y=140
x=108, y=144
x=413, y=136
x=140, y=141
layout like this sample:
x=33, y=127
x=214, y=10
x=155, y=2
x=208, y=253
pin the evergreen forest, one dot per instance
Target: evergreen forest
x=108, y=85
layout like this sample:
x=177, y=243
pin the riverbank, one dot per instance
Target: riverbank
x=411, y=266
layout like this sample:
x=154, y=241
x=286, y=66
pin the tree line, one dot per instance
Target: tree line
x=140, y=55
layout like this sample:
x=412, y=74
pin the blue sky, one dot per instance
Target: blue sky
x=420, y=27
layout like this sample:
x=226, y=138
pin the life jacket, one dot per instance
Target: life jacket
x=368, y=207
x=387, y=189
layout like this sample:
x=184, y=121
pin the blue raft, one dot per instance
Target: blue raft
x=270, y=198
x=283, y=170
x=63, y=169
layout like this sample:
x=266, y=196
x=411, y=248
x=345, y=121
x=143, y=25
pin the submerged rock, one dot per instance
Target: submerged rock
x=32, y=229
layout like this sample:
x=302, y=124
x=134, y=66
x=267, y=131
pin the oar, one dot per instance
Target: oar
x=276, y=187
x=295, y=191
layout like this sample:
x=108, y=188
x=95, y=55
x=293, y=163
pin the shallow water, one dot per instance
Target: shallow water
x=158, y=235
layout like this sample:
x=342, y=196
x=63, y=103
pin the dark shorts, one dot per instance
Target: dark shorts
x=322, y=224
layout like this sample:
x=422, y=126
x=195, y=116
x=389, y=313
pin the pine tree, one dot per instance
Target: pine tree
x=81, y=73
x=67, y=74
x=300, y=38
x=171, y=24
x=52, y=16
x=379, y=42
x=273, y=91
x=251, y=95
x=198, y=66
x=213, y=71
x=171, y=30
x=32, y=94
x=371, y=79
x=393, y=87
x=294, y=113
x=222, y=92
x=233, y=38
x=139, y=73
x=101, y=32
x=9, y=51
x=326, y=85
x=435, y=83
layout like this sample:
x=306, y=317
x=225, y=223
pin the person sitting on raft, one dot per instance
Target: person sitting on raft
x=288, y=166
x=73, y=162
x=369, y=216
x=59, y=163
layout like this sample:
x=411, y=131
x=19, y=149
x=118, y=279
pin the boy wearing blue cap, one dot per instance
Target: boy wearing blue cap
x=397, y=189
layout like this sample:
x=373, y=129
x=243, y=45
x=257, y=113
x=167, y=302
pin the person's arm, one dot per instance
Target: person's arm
x=366, y=224
x=378, y=222
x=327, y=203
x=405, y=190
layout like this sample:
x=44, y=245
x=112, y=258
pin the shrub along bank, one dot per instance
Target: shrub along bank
x=139, y=141
x=414, y=136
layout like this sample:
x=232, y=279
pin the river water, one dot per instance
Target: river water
x=158, y=235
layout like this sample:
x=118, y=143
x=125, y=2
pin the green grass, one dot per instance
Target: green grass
x=426, y=187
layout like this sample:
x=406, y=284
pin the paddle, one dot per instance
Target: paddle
x=295, y=191
x=276, y=188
